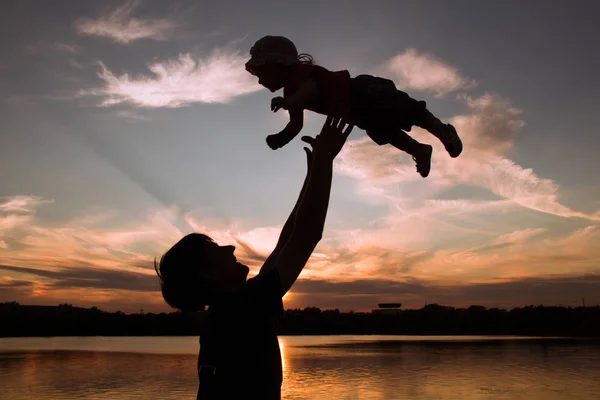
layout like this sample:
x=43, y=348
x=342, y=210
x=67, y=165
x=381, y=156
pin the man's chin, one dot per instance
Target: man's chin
x=244, y=267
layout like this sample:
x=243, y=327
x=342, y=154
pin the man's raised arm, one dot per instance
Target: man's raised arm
x=311, y=210
x=288, y=228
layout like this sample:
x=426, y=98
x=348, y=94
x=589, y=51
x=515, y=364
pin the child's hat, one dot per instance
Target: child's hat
x=271, y=49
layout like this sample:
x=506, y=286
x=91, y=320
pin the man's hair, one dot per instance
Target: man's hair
x=178, y=272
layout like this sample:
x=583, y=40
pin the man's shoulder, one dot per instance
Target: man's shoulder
x=268, y=278
x=264, y=292
x=262, y=288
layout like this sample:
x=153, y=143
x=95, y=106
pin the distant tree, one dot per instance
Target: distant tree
x=314, y=310
x=432, y=319
x=476, y=308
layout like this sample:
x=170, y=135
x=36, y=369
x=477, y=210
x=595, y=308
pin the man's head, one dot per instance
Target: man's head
x=196, y=269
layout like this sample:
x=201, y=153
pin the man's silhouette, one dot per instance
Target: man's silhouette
x=239, y=352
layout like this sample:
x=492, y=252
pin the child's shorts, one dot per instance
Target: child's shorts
x=380, y=109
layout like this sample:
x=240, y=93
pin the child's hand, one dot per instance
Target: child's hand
x=277, y=103
x=278, y=140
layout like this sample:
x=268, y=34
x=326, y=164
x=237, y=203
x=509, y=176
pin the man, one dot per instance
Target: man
x=239, y=352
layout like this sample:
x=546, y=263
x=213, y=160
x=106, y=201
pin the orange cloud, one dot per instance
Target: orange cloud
x=82, y=264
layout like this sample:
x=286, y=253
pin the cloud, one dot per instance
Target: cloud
x=86, y=293
x=87, y=242
x=131, y=115
x=11, y=221
x=25, y=204
x=217, y=78
x=365, y=294
x=253, y=244
x=505, y=178
x=46, y=47
x=514, y=240
x=386, y=253
x=492, y=125
x=75, y=64
x=438, y=239
x=465, y=231
x=343, y=283
x=412, y=70
x=106, y=259
x=88, y=278
x=15, y=289
x=487, y=133
x=519, y=236
x=122, y=28
x=100, y=257
x=16, y=212
x=488, y=129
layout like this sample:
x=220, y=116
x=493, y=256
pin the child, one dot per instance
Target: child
x=371, y=103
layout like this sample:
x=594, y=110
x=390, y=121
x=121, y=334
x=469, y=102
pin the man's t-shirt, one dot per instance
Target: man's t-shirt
x=239, y=352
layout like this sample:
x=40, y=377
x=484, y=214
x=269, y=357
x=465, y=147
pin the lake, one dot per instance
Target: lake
x=315, y=367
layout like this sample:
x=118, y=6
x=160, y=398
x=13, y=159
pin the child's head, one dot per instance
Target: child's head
x=195, y=270
x=271, y=59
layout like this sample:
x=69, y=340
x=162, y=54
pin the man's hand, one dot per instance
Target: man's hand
x=277, y=103
x=330, y=141
x=278, y=140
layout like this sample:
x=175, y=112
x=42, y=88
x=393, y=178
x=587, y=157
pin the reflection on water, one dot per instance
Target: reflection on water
x=318, y=367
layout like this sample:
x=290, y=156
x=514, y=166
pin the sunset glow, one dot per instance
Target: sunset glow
x=125, y=127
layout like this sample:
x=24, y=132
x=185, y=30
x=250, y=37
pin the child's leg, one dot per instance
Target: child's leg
x=445, y=132
x=420, y=152
x=412, y=112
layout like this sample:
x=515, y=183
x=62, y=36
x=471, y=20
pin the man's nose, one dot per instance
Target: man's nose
x=230, y=249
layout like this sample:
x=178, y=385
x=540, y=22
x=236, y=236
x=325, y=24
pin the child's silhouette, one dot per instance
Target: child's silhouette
x=371, y=103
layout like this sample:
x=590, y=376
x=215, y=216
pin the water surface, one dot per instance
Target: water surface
x=315, y=367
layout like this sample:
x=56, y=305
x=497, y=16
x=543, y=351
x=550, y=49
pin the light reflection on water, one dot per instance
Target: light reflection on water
x=315, y=367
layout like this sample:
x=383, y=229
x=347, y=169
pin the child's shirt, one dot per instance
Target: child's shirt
x=333, y=86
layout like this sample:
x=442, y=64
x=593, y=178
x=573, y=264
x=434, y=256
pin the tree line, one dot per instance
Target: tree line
x=433, y=319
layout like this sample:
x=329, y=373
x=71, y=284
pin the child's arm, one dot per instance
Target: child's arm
x=291, y=130
x=295, y=104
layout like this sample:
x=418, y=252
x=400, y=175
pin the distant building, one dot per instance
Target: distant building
x=387, y=308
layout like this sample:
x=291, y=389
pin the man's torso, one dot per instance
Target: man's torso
x=239, y=340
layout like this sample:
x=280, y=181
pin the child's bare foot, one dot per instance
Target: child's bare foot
x=452, y=142
x=423, y=160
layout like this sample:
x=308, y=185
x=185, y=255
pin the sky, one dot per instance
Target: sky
x=125, y=125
